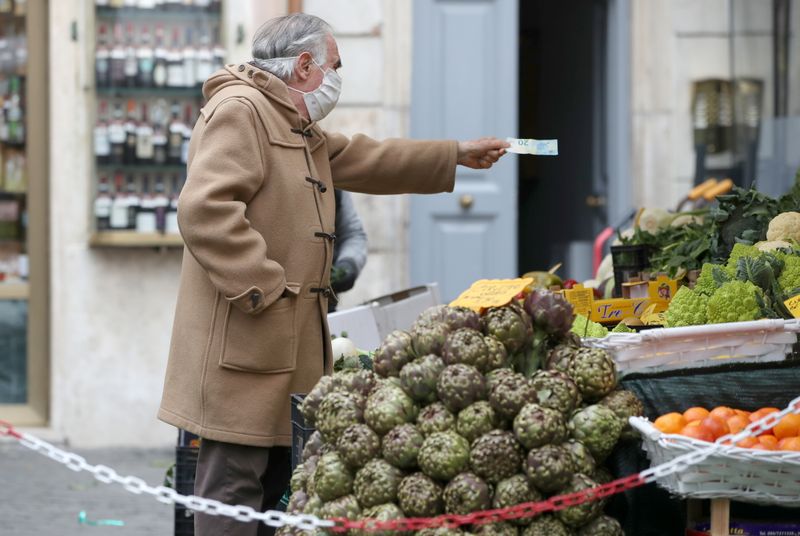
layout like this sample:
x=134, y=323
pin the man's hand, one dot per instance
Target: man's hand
x=481, y=153
x=343, y=275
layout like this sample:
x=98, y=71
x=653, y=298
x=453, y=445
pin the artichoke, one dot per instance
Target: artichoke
x=312, y=446
x=510, y=325
x=581, y=514
x=376, y=483
x=459, y=386
x=336, y=412
x=346, y=507
x=549, y=312
x=435, y=418
x=512, y=491
x=441, y=531
x=310, y=466
x=495, y=456
x=387, y=407
x=355, y=381
x=460, y=317
x=332, y=478
x=535, y=426
x=382, y=512
x=443, y=455
x=476, y=419
x=598, y=428
x=496, y=356
x=594, y=371
x=546, y=525
x=393, y=354
x=466, y=493
x=495, y=529
x=299, y=478
x=468, y=347
x=549, y=468
x=556, y=390
x=358, y=444
x=297, y=502
x=560, y=356
x=510, y=393
x=313, y=399
x=582, y=459
x=625, y=405
x=432, y=314
x=418, y=378
x=601, y=526
x=496, y=376
x=420, y=496
x=428, y=337
x=401, y=446
x=313, y=505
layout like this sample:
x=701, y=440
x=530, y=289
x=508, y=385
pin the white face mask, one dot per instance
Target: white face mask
x=321, y=101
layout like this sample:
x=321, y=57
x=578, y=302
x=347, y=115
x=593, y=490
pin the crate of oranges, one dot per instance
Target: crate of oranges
x=762, y=469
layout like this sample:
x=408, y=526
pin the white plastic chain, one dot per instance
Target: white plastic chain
x=273, y=518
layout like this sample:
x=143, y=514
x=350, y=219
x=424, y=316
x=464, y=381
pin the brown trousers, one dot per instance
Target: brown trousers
x=240, y=475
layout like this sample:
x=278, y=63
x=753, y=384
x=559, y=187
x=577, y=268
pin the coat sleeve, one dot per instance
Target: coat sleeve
x=393, y=166
x=224, y=173
x=351, y=239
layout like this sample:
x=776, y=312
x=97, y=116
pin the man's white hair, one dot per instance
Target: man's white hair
x=279, y=41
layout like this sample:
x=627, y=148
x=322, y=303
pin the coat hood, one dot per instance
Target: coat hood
x=247, y=74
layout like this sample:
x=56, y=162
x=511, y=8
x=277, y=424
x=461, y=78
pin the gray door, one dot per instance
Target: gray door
x=464, y=86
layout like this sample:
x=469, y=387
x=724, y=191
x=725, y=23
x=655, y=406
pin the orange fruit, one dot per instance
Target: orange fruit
x=761, y=413
x=743, y=413
x=789, y=443
x=769, y=441
x=788, y=426
x=737, y=423
x=722, y=412
x=748, y=442
x=697, y=431
x=671, y=423
x=715, y=425
x=695, y=414
x=761, y=446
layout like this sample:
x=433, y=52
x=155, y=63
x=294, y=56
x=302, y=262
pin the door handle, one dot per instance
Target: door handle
x=595, y=201
x=466, y=201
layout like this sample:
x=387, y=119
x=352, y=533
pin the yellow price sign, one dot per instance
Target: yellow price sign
x=486, y=293
x=793, y=304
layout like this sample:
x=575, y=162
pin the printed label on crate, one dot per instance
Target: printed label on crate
x=793, y=304
x=486, y=293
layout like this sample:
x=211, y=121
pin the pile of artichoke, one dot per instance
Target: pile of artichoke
x=467, y=412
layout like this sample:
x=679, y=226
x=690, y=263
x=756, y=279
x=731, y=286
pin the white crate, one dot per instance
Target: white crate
x=368, y=324
x=756, y=476
x=695, y=346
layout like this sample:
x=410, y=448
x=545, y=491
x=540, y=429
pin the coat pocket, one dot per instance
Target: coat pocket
x=264, y=343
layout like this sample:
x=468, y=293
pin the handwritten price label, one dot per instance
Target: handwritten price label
x=486, y=293
x=793, y=304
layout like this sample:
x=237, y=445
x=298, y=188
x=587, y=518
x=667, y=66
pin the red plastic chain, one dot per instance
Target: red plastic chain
x=7, y=429
x=518, y=511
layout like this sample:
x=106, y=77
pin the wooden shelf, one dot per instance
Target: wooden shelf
x=14, y=291
x=132, y=239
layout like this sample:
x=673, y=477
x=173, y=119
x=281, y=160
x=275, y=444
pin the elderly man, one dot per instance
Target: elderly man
x=257, y=217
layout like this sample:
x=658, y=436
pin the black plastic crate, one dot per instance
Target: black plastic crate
x=628, y=261
x=185, y=466
x=300, y=432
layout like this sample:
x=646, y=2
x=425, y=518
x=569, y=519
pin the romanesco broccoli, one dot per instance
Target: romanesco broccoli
x=790, y=275
x=687, y=308
x=741, y=250
x=622, y=327
x=579, y=327
x=735, y=301
x=712, y=276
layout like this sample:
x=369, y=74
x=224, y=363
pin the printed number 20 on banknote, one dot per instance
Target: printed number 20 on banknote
x=535, y=147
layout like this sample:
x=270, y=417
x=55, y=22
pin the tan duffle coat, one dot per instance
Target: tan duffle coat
x=257, y=217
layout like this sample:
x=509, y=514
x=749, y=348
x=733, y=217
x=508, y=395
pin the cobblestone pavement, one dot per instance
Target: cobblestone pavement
x=39, y=496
